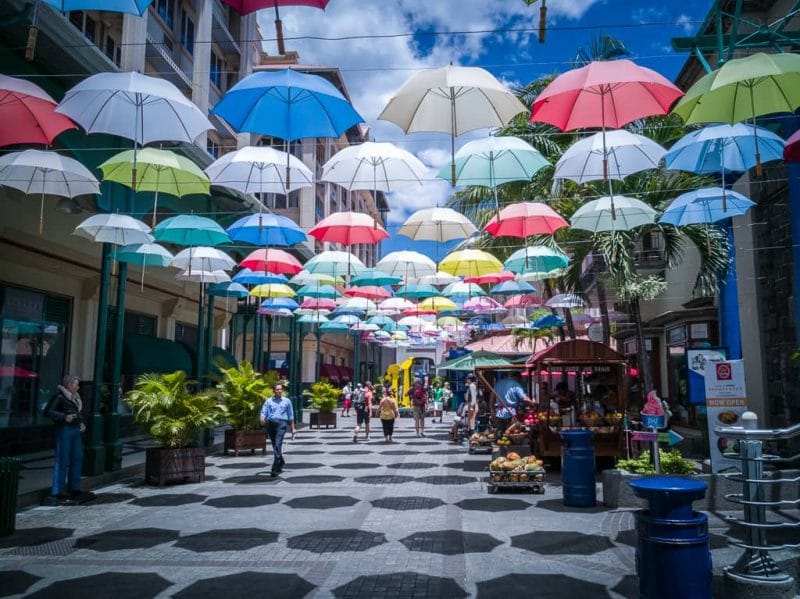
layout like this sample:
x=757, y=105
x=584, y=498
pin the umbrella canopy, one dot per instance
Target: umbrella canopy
x=470, y=262
x=368, y=291
x=317, y=303
x=334, y=327
x=314, y=318
x=373, y=276
x=31, y=110
x=537, y=258
x=229, y=289
x=512, y=288
x=461, y=288
x=318, y=291
x=440, y=278
x=719, y=148
x=288, y=105
x=244, y=7
x=46, y=173
x=417, y=290
x=202, y=258
x=246, y=276
x=530, y=276
x=617, y=214
x=266, y=229
x=607, y=94
x=791, y=152
x=483, y=305
x=437, y=224
x=260, y=169
x=306, y=278
x=396, y=304
x=358, y=304
x=608, y=155
x=477, y=359
x=348, y=319
x=134, y=106
x=279, y=303
x=525, y=219
x=407, y=264
x=272, y=260
x=436, y=304
x=118, y=229
x=376, y=166
x=564, y=300
x=707, y=205
x=133, y=7
x=203, y=276
x=156, y=170
x=523, y=301
x=549, y=320
x=349, y=228
x=272, y=291
x=491, y=278
x=335, y=263
x=494, y=161
x=380, y=320
x=144, y=254
x=189, y=229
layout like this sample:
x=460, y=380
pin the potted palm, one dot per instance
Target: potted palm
x=243, y=390
x=324, y=398
x=174, y=416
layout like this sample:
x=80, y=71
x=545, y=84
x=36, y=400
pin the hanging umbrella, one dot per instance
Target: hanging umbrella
x=525, y=219
x=272, y=260
x=32, y=112
x=396, y=304
x=364, y=327
x=246, y=276
x=530, y=276
x=469, y=263
x=266, y=229
x=523, y=301
x=436, y=304
x=306, y=278
x=372, y=292
x=706, y=205
x=416, y=290
x=35, y=172
x=333, y=327
x=461, y=288
x=619, y=214
x=159, y=171
x=314, y=318
x=347, y=319
x=406, y=264
x=358, y=304
x=272, y=291
x=380, y=320
x=260, y=169
x=452, y=100
x=791, y=152
x=473, y=360
x=537, y=258
x=202, y=258
x=565, y=300
x=132, y=7
x=483, y=305
x=203, y=276
x=449, y=322
x=245, y=7
x=317, y=303
x=373, y=166
x=349, y=228
x=373, y=276
x=117, y=229
x=189, y=229
x=743, y=89
x=512, y=288
x=279, y=303
x=144, y=255
x=335, y=263
x=440, y=278
x=229, y=289
x=609, y=155
x=491, y=278
x=318, y=290
x=550, y=320
x=437, y=224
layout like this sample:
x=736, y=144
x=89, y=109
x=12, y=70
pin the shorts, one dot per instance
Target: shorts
x=419, y=412
x=362, y=417
x=437, y=405
x=347, y=404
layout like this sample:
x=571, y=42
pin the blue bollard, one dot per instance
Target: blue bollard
x=577, y=468
x=672, y=555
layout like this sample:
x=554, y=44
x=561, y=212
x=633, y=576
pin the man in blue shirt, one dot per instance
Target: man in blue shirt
x=277, y=414
x=512, y=398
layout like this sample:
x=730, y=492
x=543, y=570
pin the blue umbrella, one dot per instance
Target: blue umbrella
x=133, y=7
x=380, y=320
x=249, y=277
x=287, y=104
x=266, y=229
x=512, y=288
x=548, y=321
x=227, y=289
x=279, y=303
x=347, y=318
x=189, y=229
x=706, y=205
x=334, y=327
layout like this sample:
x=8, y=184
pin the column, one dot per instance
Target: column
x=134, y=37
x=202, y=59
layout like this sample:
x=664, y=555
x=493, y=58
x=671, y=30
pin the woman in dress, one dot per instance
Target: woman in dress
x=387, y=412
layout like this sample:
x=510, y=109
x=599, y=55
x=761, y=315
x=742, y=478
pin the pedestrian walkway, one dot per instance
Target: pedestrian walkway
x=407, y=519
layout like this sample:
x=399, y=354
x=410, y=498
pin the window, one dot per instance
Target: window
x=84, y=23
x=113, y=50
x=166, y=10
x=186, y=333
x=212, y=147
x=216, y=70
x=187, y=32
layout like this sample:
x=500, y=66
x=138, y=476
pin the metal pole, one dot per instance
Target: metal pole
x=318, y=352
x=209, y=332
x=113, y=446
x=357, y=358
x=729, y=323
x=269, y=340
x=201, y=337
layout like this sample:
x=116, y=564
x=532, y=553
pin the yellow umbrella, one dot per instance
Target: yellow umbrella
x=437, y=304
x=470, y=263
x=449, y=321
x=272, y=290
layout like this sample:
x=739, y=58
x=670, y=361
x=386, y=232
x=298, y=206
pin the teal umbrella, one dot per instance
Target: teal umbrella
x=373, y=276
x=537, y=258
x=144, y=254
x=318, y=291
x=334, y=327
x=473, y=360
x=189, y=229
x=417, y=291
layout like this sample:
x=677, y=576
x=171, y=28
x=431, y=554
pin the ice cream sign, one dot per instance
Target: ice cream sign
x=652, y=414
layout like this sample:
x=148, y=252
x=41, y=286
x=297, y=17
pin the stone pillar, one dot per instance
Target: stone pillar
x=134, y=36
x=202, y=60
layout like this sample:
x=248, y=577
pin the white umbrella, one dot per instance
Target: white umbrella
x=565, y=300
x=376, y=166
x=348, y=319
x=437, y=224
x=396, y=304
x=202, y=258
x=306, y=278
x=364, y=326
x=259, y=169
x=440, y=278
x=407, y=263
x=461, y=288
x=452, y=100
x=335, y=263
x=627, y=153
x=117, y=229
x=358, y=304
x=46, y=173
x=612, y=214
x=204, y=276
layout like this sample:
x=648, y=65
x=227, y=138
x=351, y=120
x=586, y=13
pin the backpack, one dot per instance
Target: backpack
x=419, y=397
x=360, y=401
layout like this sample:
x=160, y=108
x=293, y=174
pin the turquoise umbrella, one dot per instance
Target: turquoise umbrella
x=228, y=289
x=537, y=258
x=417, y=291
x=318, y=291
x=334, y=327
x=144, y=254
x=373, y=276
x=189, y=229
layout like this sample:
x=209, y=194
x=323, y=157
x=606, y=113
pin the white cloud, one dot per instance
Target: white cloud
x=685, y=22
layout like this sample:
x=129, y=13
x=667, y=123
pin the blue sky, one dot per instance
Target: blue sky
x=387, y=41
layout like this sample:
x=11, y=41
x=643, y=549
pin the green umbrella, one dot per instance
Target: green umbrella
x=159, y=171
x=473, y=360
x=743, y=89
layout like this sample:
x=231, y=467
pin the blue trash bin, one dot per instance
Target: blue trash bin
x=577, y=468
x=672, y=555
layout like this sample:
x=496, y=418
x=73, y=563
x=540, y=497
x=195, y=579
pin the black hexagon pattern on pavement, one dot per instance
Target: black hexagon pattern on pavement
x=169, y=500
x=334, y=541
x=548, y=586
x=558, y=542
x=248, y=584
x=15, y=582
x=241, y=465
x=321, y=502
x=227, y=539
x=403, y=504
x=315, y=479
x=493, y=504
x=383, y=479
x=351, y=452
x=411, y=465
x=234, y=501
x=400, y=585
x=130, y=538
x=28, y=537
x=628, y=587
x=109, y=585
x=356, y=466
x=107, y=498
x=450, y=542
x=469, y=465
x=447, y=480
x=256, y=479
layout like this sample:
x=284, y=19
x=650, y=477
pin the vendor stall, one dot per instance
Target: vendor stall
x=580, y=384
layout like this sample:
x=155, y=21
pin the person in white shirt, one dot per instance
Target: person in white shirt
x=471, y=400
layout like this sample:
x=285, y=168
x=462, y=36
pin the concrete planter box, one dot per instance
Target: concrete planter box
x=237, y=441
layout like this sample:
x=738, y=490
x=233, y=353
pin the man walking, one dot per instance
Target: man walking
x=277, y=414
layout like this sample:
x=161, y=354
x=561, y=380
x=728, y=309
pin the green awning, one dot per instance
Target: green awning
x=471, y=361
x=142, y=354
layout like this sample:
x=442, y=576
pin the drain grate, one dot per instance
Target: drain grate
x=61, y=547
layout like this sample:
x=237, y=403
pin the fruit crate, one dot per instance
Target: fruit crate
x=480, y=446
x=499, y=481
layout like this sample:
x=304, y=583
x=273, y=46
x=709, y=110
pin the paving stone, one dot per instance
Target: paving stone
x=241, y=501
x=130, y=538
x=109, y=585
x=336, y=541
x=547, y=586
x=321, y=502
x=227, y=539
x=556, y=542
x=408, y=503
x=15, y=582
x=27, y=537
x=400, y=585
x=248, y=584
x=450, y=542
x=169, y=500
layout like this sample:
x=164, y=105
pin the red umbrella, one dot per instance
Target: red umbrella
x=523, y=301
x=491, y=278
x=368, y=292
x=349, y=228
x=31, y=110
x=271, y=260
x=17, y=372
x=318, y=303
x=525, y=219
x=791, y=151
x=244, y=7
x=604, y=94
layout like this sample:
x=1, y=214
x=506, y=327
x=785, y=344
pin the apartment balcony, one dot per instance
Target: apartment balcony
x=649, y=259
x=159, y=55
x=220, y=31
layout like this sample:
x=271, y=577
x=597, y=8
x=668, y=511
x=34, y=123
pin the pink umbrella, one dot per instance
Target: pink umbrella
x=272, y=260
x=349, y=228
x=791, y=151
x=491, y=278
x=31, y=110
x=525, y=219
x=244, y=7
x=483, y=305
x=318, y=303
x=523, y=301
x=369, y=292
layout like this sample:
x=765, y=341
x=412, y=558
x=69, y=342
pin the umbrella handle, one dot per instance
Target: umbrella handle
x=542, y=21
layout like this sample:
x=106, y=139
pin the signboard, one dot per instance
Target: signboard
x=726, y=401
x=646, y=436
x=653, y=420
x=595, y=332
x=696, y=360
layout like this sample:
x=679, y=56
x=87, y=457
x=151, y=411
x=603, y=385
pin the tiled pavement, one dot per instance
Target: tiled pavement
x=411, y=519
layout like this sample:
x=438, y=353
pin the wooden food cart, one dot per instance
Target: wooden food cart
x=585, y=367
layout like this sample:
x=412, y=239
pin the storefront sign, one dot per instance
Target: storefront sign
x=696, y=360
x=726, y=401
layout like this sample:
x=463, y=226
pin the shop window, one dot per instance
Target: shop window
x=113, y=50
x=84, y=23
x=216, y=70
x=212, y=147
x=186, y=334
x=166, y=10
x=187, y=32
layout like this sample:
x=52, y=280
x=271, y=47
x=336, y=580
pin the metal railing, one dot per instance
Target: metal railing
x=755, y=564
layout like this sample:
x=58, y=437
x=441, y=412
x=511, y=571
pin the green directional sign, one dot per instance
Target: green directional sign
x=670, y=437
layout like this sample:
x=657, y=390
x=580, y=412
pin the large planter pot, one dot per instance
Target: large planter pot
x=320, y=419
x=167, y=465
x=238, y=440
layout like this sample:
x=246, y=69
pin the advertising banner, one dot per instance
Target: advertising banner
x=726, y=401
x=696, y=360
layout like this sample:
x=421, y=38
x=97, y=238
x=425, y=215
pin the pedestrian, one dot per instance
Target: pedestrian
x=362, y=404
x=347, y=399
x=388, y=412
x=438, y=394
x=277, y=415
x=472, y=403
x=65, y=409
x=447, y=396
x=419, y=401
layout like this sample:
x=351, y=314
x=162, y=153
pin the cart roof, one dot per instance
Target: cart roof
x=575, y=351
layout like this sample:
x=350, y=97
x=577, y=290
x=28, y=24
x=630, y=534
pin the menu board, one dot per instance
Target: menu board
x=726, y=401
